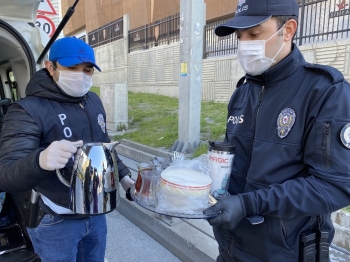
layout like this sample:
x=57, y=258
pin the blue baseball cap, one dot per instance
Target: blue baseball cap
x=251, y=13
x=69, y=51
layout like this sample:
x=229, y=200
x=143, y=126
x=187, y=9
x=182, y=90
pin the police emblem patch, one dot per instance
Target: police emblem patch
x=285, y=122
x=345, y=135
x=101, y=122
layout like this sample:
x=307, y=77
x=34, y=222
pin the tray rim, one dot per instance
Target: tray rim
x=172, y=214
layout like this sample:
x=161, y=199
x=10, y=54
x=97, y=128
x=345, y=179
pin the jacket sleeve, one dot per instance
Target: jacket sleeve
x=19, y=152
x=326, y=188
x=123, y=170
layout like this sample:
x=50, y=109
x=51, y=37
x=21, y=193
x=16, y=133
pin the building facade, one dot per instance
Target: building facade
x=93, y=14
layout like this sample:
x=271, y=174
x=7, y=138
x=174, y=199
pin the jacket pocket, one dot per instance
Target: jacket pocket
x=224, y=237
x=49, y=220
x=267, y=238
x=326, y=144
x=331, y=152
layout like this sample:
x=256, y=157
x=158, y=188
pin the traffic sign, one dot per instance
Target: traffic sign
x=45, y=7
x=45, y=24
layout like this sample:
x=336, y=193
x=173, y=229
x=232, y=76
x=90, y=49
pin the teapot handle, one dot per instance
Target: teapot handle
x=60, y=177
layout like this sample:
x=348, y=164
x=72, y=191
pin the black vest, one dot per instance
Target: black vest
x=70, y=121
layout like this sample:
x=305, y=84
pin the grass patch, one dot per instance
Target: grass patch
x=153, y=121
x=95, y=89
x=346, y=209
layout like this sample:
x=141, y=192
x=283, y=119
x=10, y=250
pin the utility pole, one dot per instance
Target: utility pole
x=192, y=21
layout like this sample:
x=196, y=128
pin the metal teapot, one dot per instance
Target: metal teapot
x=94, y=185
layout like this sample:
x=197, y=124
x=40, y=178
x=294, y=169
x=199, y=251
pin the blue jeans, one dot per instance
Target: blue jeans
x=64, y=240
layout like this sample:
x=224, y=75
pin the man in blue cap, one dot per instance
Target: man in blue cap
x=291, y=167
x=40, y=134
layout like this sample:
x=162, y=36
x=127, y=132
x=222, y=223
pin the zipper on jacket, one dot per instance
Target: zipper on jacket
x=326, y=144
x=255, y=123
x=284, y=231
x=89, y=118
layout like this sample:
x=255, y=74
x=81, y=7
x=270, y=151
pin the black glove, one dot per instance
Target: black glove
x=128, y=195
x=229, y=212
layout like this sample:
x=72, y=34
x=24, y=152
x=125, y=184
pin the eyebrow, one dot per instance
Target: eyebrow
x=259, y=26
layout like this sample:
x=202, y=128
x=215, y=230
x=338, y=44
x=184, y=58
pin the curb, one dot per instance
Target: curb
x=341, y=222
x=139, y=152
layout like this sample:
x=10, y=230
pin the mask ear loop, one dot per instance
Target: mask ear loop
x=278, y=52
x=55, y=68
x=280, y=47
x=275, y=33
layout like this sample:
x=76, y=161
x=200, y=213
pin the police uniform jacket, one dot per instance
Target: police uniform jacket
x=290, y=127
x=30, y=125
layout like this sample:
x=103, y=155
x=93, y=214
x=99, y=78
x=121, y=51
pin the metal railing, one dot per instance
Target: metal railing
x=161, y=32
x=218, y=46
x=323, y=20
x=106, y=34
x=319, y=20
x=83, y=38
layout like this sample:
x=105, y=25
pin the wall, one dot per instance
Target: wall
x=77, y=20
x=157, y=70
x=112, y=59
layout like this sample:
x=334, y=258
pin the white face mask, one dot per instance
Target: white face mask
x=74, y=83
x=251, y=56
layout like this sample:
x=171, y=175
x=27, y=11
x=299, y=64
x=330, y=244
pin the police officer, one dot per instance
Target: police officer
x=291, y=168
x=40, y=134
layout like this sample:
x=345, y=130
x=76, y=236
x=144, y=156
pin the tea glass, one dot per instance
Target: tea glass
x=147, y=194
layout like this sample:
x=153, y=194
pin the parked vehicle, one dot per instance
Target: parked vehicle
x=23, y=46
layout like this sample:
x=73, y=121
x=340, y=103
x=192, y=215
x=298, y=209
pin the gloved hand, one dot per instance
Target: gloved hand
x=229, y=212
x=126, y=183
x=57, y=154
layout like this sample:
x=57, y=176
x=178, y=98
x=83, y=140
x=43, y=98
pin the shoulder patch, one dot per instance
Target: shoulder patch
x=345, y=136
x=329, y=71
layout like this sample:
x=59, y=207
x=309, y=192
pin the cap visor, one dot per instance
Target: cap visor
x=70, y=61
x=239, y=22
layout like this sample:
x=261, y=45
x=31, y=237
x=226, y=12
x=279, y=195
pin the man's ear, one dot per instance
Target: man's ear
x=49, y=67
x=290, y=29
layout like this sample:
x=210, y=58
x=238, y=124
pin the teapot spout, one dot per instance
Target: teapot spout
x=111, y=146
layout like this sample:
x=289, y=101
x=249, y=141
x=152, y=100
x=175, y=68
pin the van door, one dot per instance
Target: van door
x=21, y=41
x=19, y=10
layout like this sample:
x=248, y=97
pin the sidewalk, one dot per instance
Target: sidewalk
x=192, y=239
x=128, y=243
